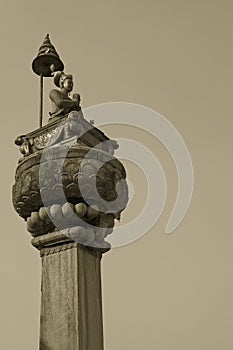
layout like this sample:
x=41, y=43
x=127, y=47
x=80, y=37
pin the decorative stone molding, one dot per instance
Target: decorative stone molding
x=68, y=171
x=62, y=129
x=53, y=242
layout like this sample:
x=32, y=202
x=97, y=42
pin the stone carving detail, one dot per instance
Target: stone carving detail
x=39, y=223
x=59, y=131
x=68, y=171
x=27, y=189
x=74, y=171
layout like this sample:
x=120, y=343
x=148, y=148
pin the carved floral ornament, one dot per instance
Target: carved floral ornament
x=58, y=167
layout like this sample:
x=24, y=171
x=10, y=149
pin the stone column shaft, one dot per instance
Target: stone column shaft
x=71, y=306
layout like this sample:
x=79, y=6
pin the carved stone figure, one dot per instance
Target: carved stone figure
x=62, y=104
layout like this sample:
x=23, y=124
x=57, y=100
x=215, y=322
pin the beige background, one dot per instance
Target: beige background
x=162, y=292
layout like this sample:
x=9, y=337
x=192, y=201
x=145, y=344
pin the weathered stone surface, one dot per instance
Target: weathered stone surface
x=68, y=173
x=61, y=170
x=71, y=311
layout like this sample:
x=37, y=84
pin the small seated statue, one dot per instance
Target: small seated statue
x=62, y=104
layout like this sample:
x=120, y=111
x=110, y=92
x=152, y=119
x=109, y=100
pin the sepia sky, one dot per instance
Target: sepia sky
x=166, y=292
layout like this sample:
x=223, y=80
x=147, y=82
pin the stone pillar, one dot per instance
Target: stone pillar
x=61, y=163
x=71, y=306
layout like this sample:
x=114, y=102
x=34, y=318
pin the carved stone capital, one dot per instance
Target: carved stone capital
x=54, y=242
x=64, y=176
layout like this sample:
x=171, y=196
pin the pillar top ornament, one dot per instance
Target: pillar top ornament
x=68, y=187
